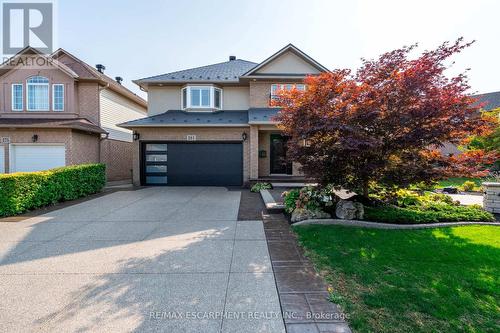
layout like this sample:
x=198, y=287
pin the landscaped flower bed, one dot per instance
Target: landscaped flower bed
x=400, y=207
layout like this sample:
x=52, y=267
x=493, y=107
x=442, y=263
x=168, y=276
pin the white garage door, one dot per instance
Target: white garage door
x=2, y=159
x=25, y=158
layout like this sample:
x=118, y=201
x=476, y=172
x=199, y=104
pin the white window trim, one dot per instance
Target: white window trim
x=201, y=108
x=22, y=97
x=54, y=97
x=27, y=96
x=282, y=84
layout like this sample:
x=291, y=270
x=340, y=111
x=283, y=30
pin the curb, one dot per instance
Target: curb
x=376, y=225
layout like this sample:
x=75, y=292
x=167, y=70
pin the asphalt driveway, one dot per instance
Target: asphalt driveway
x=156, y=259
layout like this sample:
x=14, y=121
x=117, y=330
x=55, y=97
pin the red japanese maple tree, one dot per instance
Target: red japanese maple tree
x=382, y=123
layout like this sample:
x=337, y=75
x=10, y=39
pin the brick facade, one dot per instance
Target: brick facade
x=80, y=147
x=202, y=134
x=118, y=156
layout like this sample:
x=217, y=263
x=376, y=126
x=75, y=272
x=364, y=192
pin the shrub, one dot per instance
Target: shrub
x=468, y=186
x=261, y=186
x=429, y=213
x=22, y=191
x=290, y=199
x=310, y=197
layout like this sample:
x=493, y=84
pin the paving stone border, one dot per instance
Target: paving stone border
x=302, y=292
x=378, y=225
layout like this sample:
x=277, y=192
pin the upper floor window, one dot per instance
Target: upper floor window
x=277, y=87
x=17, y=97
x=38, y=93
x=58, y=97
x=201, y=97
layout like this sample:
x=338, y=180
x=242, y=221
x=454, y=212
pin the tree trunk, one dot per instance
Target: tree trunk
x=365, y=188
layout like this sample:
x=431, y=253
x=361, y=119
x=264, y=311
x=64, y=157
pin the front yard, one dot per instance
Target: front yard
x=430, y=280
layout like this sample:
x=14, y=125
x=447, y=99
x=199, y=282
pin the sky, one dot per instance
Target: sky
x=136, y=39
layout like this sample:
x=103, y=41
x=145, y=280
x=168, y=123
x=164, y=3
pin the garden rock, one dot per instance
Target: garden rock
x=349, y=210
x=301, y=214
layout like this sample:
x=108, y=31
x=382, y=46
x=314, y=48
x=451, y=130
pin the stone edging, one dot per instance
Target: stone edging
x=377, y=225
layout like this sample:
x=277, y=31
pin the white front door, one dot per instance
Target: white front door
x=27, y=158
x=2, y=159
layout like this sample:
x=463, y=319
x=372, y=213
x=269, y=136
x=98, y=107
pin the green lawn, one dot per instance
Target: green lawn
x=429, y=280
x=458, y=182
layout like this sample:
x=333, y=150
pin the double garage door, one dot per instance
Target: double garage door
x=192, y=164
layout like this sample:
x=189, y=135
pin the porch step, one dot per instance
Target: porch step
x=269, y=201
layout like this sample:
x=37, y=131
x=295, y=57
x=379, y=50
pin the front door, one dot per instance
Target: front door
x=279, y=162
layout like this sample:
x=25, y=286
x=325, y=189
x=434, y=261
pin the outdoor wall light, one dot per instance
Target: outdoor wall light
x=34, y=138
x=136, y=136
x=244, y=136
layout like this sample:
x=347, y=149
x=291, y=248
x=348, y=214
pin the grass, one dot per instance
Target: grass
x=459, y=181
x=428, y=280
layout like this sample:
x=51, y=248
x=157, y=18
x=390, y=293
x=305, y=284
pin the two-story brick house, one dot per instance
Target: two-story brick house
x=56, y=110
x=213, y=125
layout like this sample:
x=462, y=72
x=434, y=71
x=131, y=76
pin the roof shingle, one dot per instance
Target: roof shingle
x=222, y=72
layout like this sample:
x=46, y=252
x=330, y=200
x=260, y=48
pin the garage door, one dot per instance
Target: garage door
x=2, y=159
x=193, y=164
x=25, y=158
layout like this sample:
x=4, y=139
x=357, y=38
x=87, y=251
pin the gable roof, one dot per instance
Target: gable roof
x=10, y=64
x=85, y=71
x=288, y=48
x=491, y=100
x=228, y=71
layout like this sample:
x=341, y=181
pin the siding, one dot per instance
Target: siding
x=116, y=109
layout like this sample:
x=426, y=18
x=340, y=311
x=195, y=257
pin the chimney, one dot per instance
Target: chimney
x=100, y=68
x=119, y=79
x=231, y=58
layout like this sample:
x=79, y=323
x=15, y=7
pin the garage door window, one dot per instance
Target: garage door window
x=156, y=163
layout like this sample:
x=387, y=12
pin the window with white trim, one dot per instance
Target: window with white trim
x=201, y=97
x=17, y=97
x=277, y=87
x=38, y=93
x=58, y=97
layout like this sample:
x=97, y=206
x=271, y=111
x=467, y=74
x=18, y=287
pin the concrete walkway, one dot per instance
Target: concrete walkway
x=156, y=259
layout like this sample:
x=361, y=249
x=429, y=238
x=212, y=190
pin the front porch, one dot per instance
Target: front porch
x=268, y=160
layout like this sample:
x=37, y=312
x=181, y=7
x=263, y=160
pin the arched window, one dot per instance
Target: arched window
x=38, y=93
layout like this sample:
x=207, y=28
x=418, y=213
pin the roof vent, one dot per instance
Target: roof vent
x=231, y=58
x=119, y=79
x=100, y=68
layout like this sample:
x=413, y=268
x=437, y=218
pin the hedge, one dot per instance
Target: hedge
x=23, y=191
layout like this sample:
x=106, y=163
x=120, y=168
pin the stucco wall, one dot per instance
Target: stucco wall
x=202, y=134
x=288, y=63
x=161, y=99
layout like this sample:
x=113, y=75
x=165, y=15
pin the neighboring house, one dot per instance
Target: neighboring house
x=56, y=110
x=213, y=125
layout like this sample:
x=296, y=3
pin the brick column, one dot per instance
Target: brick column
x=254, y=152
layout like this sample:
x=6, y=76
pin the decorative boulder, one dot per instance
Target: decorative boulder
x=301, y=214
x=450, y=190
x=349, y=210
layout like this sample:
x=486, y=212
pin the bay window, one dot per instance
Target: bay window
x=38, y=93
x=201, y=97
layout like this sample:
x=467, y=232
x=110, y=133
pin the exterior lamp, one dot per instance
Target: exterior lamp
x=244, y=136
x=136, y=136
